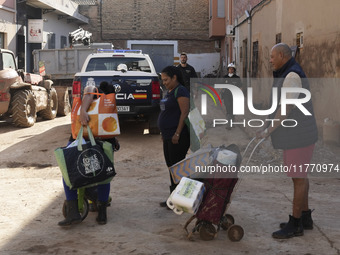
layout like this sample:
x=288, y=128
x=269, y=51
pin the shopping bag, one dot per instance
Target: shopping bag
x=195, y=124
x=196, y=127
x=88, y=164
x=103, y=115
x=188, y=166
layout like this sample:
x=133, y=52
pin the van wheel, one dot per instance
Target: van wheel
x=24, y=111
x=153, y=125
x=51, y=110
x=154, y=131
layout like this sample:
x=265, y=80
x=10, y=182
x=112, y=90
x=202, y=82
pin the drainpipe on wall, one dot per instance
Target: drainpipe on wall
x=26, y=44
x=236, y=45
x=248, y=48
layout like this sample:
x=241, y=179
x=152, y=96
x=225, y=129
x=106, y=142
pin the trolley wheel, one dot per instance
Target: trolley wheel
x=235, y=233
x=207, y=231
x=227, y=221
x=83, y=214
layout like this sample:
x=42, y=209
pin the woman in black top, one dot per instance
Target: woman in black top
x=174, y=111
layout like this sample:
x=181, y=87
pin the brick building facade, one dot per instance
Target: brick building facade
x=184, y=23
x=122, y=20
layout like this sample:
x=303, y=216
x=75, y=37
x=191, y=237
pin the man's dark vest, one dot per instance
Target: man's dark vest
x=305, y=133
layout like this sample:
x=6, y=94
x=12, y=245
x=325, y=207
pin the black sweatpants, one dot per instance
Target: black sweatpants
x=174, y=153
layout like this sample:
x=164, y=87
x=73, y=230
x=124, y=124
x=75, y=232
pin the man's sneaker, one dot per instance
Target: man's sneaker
x=292, y=228
x=307, y=221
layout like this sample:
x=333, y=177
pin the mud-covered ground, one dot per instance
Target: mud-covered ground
x=32, y=197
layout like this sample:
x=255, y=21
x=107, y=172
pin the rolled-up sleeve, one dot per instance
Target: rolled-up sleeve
x=292, y=80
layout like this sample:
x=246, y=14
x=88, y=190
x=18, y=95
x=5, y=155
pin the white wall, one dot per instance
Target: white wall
x=8, y=27
x=58, y=27
x=205, y=63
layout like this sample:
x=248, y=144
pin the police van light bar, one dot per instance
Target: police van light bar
x=120, y=51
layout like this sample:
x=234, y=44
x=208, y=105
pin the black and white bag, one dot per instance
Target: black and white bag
x=84, y=165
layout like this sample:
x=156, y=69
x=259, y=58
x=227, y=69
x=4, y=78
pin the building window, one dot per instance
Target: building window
x=299, y=40
x=2, y=40
x=63, y=42
x=220, y=9
x=255, y=58
x=278, y=38
x=51, y=41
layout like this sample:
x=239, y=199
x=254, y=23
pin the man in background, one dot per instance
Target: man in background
x=187, y=70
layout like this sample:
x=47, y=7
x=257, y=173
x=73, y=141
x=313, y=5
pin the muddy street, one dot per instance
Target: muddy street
x=32, y=198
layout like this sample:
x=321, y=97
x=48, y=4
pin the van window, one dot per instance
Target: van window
x=133, y=64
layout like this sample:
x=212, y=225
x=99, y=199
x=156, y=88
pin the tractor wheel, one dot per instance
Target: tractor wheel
x=51, y=110
x=23, y=108
x=64, y=106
